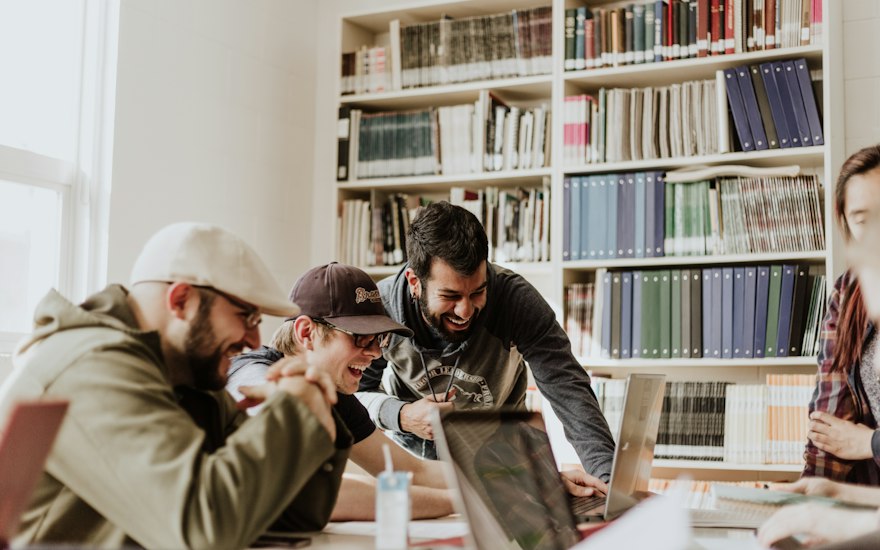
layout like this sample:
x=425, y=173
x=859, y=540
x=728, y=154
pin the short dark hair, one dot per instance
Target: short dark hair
x=449, y=233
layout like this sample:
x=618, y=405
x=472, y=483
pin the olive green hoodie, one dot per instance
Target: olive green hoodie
x=140, y=462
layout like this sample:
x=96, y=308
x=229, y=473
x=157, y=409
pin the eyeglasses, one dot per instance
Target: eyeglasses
x=364, y=341
x=252, y=316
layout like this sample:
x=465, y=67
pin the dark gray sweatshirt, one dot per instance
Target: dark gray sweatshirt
x=487, y=370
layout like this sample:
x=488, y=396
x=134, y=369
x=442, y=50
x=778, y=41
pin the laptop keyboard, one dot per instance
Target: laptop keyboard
x=580, y=505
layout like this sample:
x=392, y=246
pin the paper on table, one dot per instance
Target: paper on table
x=417, y=529
x=639, y=527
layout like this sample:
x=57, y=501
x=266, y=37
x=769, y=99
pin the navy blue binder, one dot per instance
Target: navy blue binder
x=761, y=293
x=776, y=110
x=786, y=293
x=791, y=122
x=812, y=109
x=626, y=316
x=739, y=291
x=738, y=110
x=797, y=102
x=753, y=113
x=750, y=286
x=727, y=312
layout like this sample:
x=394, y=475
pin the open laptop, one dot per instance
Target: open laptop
x=509, y=487
x=25, y=442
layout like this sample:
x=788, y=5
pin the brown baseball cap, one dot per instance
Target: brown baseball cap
x=346, y=297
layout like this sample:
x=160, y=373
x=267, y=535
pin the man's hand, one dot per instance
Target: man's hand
x=818, y=522
x=415, y=417
x=255, y=395
x=581, y=484
x=842, y=438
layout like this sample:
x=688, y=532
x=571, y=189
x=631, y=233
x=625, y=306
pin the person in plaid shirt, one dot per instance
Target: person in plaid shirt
x=837, y=527
x=843, y=441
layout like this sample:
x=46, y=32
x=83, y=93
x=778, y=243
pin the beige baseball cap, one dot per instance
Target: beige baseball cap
x=202, y=254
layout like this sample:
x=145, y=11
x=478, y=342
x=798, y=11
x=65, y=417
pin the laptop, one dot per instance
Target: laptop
x=509, y=488
x=25, y=442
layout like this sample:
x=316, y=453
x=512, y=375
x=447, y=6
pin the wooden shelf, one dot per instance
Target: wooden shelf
x=519, y=89
x=806, y=157
x=708, y=362
x=524, y=268
x=664, y=261
x=667, y=72
x=509, y=178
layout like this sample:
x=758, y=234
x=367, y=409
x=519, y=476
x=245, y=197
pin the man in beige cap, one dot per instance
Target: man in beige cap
x=342, y=327
x=153, y=452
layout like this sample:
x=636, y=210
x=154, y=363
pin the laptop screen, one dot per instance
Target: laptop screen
x=508, y=479
x=506, y=470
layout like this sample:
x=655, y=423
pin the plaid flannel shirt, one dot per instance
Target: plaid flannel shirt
x=843, y=396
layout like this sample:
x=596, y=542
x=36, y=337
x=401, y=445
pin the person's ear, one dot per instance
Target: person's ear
x=415, y=285
x=304, y=331
x=179, y=296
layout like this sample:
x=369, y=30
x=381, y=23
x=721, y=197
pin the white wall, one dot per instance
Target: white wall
x=215, y=122
x=861, y=69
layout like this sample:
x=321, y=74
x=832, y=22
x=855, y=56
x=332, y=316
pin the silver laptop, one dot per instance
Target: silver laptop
x=509, y=486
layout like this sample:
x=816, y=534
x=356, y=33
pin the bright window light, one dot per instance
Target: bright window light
x=30, y=245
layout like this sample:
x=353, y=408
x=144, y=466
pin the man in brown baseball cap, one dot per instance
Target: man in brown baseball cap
x=342, y=327
x=150, y=453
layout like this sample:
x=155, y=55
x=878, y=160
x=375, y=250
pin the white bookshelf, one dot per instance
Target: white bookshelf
x=371, y=28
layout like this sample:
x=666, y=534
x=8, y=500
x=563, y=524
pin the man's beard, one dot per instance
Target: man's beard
x=436, y=321
x=202, y=352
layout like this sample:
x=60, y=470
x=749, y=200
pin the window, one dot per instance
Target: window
x=56, y=104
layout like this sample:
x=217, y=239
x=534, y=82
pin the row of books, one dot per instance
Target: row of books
x=768, y=423
x=517, y=223
x=639, y=215
x=714, y=312
x=720, y=421
x=508, y=44
x=484, y=136
x=374, y=234
x=365, y=71
x=664, y=30
x=773, y=105
x=623, y=124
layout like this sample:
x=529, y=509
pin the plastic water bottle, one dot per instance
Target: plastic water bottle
x=392, y=506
